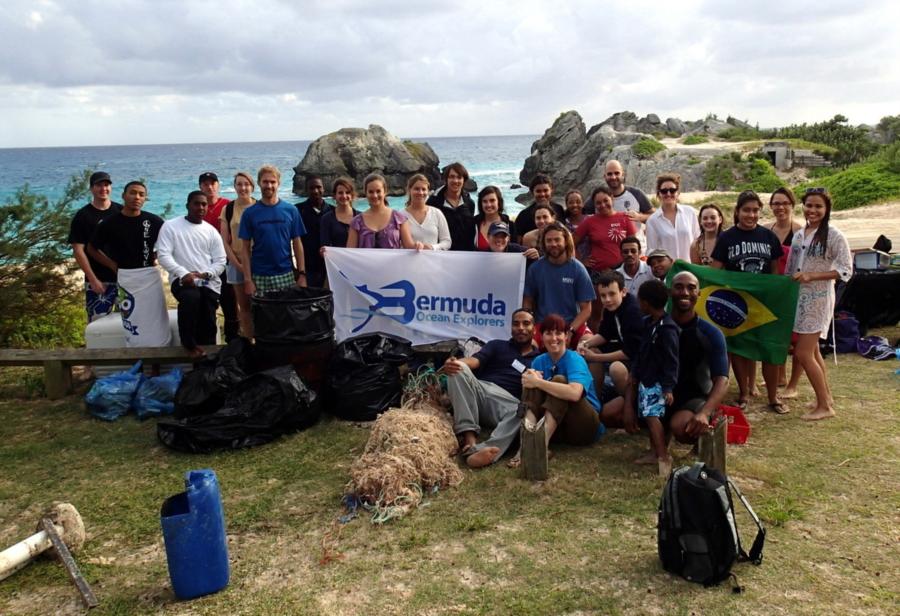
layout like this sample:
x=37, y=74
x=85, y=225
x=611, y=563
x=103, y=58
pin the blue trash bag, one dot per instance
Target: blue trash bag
x=110, y=397
x=156, y=395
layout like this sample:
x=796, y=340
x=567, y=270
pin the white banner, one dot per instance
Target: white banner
x=424, y=296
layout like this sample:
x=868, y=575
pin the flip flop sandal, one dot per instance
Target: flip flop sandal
x=778, y=408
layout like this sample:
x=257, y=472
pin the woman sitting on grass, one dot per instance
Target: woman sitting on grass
x=819, y=256
x=559, y=388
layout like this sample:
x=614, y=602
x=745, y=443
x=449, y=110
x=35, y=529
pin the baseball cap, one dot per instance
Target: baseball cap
x=498, y=227
x=208, y=176
x=100, y=176
x=659, y=252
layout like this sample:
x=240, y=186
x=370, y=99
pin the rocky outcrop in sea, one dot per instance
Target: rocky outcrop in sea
x=357, y=152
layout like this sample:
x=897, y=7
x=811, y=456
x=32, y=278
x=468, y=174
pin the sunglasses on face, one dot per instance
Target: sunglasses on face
x=668, y=191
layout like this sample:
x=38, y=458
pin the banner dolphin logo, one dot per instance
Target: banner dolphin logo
x=397, y=304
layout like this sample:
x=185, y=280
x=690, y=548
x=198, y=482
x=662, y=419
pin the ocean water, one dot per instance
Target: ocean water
x=171, y=171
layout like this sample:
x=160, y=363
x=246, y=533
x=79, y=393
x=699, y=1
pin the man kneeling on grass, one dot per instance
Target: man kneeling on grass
x=485, y=389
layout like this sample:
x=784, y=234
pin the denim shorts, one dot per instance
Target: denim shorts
x=233, y=274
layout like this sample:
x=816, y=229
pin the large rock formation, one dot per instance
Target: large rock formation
x=575, y=157
x=357, y=152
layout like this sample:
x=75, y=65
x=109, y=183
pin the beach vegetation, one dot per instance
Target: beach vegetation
x=39, y=294
x=735, y=172
x=695, y=139
x=647, y=148
x=889, y=127
x=874, y=181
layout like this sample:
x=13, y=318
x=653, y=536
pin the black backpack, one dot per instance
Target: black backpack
x=697, y=535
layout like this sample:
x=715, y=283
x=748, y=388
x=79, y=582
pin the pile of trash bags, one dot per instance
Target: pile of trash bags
x=114, y=395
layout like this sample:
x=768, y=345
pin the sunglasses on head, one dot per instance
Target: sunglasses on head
x=668, y=191
x=815, y=191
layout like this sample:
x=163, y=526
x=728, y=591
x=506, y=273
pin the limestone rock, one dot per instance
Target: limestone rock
x=674, y=125
x=357, y=152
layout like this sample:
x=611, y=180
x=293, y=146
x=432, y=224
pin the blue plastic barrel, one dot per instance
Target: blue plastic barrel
x=193, y=526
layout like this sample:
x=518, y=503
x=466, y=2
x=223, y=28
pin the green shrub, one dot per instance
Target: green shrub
x=695, y=140
x=62, y=325
x=647, y=148
x=861, y=184
x=732, y=172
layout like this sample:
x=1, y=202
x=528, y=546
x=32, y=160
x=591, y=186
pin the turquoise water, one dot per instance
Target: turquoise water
x=171, y=171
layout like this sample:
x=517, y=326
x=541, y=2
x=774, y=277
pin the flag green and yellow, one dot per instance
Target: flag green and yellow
x=755, y=312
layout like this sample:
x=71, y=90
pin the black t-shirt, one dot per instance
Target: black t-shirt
x=702, y=357
x=525, y=218
x=496, y=366
x=84, y=223
x=312, y=241
x=130, y=241
x=748, y=251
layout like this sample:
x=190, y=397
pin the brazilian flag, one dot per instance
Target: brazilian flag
x=754, y=311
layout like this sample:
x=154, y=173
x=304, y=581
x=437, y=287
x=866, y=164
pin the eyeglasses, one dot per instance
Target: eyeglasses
x=668, y=191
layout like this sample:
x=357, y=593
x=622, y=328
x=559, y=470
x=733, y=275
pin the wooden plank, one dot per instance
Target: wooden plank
x=711, y=447
x=38, y=357
x=57, y=379
x=534, y=450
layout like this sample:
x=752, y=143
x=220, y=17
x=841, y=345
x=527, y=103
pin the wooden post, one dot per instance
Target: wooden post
x=534, y=450
x=57, y=378
x=711, y=446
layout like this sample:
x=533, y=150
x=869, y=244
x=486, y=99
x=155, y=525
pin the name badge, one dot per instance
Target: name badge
x=519, y=366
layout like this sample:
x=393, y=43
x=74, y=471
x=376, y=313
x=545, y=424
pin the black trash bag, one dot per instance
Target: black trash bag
x=364, y=376
x=293, y=316
x=260, y=409
x=202, y=391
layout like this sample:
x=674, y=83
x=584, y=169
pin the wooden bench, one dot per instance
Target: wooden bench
x=58, y=363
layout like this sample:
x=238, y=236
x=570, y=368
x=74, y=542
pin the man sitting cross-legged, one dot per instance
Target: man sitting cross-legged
x=485, y=389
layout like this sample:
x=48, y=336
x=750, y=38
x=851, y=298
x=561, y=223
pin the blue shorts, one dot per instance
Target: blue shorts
x=100, y=304
x=651, y=402
x=233, y=274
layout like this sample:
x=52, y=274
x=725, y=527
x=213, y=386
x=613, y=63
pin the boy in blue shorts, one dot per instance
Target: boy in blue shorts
x=655, y=369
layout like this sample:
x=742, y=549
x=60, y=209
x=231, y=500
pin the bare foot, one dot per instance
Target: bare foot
x=788, y=394
x=482, y=457
x=514, y=462
x=664, y=467
x=814, y=405
x=647, y=458
x=754, y=393
x=818, y=413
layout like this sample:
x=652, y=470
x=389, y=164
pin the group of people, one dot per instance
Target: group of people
x=585, y=275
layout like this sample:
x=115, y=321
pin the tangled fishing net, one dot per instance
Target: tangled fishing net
x=409, y=452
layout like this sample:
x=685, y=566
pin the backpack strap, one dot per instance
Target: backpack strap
x=755, y=555
x=229, y=211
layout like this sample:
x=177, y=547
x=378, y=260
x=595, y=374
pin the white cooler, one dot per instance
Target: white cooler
x=107, y=333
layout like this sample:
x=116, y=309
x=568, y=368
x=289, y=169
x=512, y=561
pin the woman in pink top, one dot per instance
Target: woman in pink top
x=379, y=226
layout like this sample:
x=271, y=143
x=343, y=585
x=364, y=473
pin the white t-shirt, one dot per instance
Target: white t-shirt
x=643, y=274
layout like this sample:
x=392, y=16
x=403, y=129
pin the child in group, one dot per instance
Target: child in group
x=655, y=369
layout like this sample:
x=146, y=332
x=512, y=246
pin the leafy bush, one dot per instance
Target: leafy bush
x=853, y=143
x=695, y=139
x=861, y=184
x=732, y=172
x=37, y=294
x=647, y=148
x=745, y=134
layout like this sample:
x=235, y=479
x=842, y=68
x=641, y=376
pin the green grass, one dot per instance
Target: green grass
x=647, y=148
x=734, y=172
x=695, y=140
x=581, y=542
x=861, y=184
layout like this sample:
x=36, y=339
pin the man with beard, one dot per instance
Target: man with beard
x=100, y=288
x=311, y=212
x=194, y=256
x=456, y=205
x=558, y=283
x=702, y=371
x=626, y=199
x=271, y=229
x=209, y=186
x=485, y=390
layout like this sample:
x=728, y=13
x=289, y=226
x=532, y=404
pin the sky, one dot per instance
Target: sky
x=95, y=72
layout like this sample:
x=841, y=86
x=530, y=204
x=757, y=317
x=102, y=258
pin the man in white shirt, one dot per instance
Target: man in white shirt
x=194, y=256
x=635, y=271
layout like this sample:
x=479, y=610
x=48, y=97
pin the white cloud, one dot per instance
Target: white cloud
x=136, y=71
